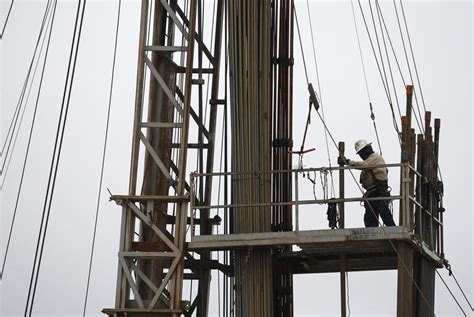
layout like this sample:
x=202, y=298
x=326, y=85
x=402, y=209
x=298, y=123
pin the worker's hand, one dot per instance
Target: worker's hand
x=342, y=160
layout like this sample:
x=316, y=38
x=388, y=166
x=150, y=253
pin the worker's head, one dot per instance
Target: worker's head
x=363, y=148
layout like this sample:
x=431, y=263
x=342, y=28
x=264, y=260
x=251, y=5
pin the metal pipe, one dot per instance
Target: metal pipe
x=316, y=169
x=297, y=210
x=341, y=147
x=301, y=202
x=342, y=259
x=138, y=97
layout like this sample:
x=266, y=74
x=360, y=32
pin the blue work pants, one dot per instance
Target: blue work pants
x=379, y=207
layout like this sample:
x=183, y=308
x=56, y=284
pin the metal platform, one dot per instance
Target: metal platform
x=130, y=312
x=364, y=248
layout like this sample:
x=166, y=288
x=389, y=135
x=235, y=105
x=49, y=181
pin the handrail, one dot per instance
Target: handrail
x=409, y=177
x=313, y=169
x=299, y=202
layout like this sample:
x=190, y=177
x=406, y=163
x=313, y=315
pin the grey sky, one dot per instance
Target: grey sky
x=442, y=37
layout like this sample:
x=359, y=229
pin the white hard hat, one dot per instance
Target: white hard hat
x=359, y=145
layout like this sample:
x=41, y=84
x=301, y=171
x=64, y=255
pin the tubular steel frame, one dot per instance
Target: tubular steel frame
x=151, y=263
x=165, y=244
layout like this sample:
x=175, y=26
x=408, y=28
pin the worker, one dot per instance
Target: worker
x=375, y=183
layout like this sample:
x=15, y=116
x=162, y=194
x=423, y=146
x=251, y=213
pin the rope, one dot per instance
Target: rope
x=450, y=292
x=55, y=159
x=27, y=147
x=6, y=19
x=372, y=115
x=103, y=158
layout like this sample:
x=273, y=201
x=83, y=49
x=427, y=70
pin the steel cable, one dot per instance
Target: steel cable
x=50, y=23
x=450, y=292
x=419, y=121
x=406, y=58
x=383, y=229
x=413, y=55
x=6, y=19
x=386, y=84
x=56, y=157
x=372, y=115
x=386, y=54
x=459, y=286
x=405, y=267
x=395, y=124
x=5, y=170
x=103, y=158
x=16, y=113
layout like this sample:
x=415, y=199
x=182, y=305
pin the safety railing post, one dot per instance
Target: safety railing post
x=405, y=200
x=297, y=210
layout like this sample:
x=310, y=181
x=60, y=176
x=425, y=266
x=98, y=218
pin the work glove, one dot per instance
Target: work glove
x=342, y=160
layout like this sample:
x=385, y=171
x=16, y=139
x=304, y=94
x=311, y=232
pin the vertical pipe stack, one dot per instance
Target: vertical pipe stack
x=282, y=94
x=427, y=222
x=424, y=273
x=250, y=94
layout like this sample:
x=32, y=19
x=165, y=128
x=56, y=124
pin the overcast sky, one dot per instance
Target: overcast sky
x=442, y=37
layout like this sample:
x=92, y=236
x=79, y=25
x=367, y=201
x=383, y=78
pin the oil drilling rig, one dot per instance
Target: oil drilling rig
x=173, y=224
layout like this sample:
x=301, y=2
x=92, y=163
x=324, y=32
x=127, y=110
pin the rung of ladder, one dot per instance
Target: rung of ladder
x=161, y=125
x=144, y=312
x=197, y=82
x=182, y=69
x=159, y=48
x=217, y=101
x=191, y=146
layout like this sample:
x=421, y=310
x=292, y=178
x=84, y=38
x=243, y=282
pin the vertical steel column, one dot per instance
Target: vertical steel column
x=438, y=206
x=405, y=283
x=128, y=221
x=206, y=228
x=180, y=225
x=405, y=258
x=425, y=272
x=342, y=148
x=160, y=109
x=282, y=83
x=342, y=258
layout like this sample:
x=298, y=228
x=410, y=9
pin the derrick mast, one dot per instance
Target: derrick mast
x=170, y=232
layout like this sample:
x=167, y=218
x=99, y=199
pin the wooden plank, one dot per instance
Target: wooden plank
x=145, y=198
x=136, y=311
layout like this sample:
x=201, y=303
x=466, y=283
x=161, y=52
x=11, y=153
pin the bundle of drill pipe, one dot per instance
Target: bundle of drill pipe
x=251, y=115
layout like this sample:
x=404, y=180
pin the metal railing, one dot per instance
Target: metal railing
x=418, y=214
